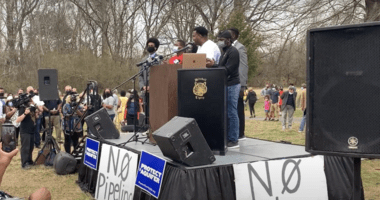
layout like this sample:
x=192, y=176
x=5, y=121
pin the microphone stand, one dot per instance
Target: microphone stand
x=135, y=137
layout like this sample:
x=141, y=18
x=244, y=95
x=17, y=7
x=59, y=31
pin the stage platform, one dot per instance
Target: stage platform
x=251, y=150
x=216, y=181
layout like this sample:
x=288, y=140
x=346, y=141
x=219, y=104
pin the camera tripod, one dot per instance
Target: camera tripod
x=50, y=144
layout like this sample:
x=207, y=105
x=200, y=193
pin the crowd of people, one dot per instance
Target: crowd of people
x=278, y=102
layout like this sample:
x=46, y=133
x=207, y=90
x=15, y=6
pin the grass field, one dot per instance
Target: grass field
x=21, y=182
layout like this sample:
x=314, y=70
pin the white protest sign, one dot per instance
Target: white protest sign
x=117, y=173
x=287, y=179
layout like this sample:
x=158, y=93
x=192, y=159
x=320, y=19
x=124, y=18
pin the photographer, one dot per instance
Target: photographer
x=28, y=117
x=70, y=118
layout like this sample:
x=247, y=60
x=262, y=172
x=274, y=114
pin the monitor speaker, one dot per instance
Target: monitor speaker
x=48, y=84
x=343, y=110
x=181, y=140
x=101, y=125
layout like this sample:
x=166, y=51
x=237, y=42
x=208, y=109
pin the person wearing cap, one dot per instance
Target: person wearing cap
x=230, y=61
x=206, y=46
x=303, y=107
x=288, y=107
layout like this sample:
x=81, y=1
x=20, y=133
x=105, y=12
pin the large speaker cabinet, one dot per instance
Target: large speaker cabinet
x=343, y=90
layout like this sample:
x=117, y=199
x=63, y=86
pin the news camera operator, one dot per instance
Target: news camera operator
x=27, y=116
x=70, y=118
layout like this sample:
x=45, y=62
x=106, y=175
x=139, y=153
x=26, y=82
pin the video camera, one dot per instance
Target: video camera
x=23, y=101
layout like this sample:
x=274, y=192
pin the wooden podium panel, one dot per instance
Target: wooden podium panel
x=163, y=104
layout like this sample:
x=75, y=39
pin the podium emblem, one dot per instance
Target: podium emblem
x=200, y=88
x=353, y=143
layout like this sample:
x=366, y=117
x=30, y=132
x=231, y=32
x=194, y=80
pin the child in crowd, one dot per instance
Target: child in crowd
x=266, y=107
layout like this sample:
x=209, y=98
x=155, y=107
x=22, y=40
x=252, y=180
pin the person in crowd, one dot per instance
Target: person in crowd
x=281, y=91
x=251, y=98
x=303, y=107
x=5, y=160
x=109, y=103
x=151, y=46
x=122, y=105
x=27, y=116
x=116, y=105
x=206, y=46
x=37, y=136
x=243, y=75
x=54, y=108
x=230, y=61
x=266, y=91
x=177, y=59
x=75, y=91
x=267, y=107
x=288, y=107
x=70, y=118
x=274, y=104
x=19, y=92
x=133, y=108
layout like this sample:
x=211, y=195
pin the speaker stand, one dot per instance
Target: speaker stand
x=356, y=185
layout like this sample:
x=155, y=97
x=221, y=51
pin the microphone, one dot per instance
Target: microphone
x=188, y=46
x=150, y=60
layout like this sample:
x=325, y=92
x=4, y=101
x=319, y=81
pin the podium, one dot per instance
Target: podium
x=163, y=94
x=202, y=95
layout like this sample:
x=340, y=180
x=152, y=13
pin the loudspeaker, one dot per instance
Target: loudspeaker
x=48, y=84
x=343, y=110
x=202, y=95
x=64, y=163
x=100, y=124
x=181, y=140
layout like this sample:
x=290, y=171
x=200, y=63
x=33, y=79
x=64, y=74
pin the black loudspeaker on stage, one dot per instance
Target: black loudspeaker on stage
x=48, y=84
x=343, y=109
x=181, y=140
x=101, y=125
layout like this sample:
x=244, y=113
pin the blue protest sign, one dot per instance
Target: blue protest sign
x=150, y=173
x=91, y=153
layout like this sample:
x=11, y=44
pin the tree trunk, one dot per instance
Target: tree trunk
x=372, y=10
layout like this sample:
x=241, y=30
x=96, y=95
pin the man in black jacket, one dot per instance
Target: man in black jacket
x=230, y=61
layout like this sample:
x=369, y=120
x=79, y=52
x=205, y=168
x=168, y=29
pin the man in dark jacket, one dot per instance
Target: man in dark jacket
x=243, y=74
x=288, y=107
x=230, y=61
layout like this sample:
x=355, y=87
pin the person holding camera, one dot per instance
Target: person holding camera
x=71, y=117
x=28, y=117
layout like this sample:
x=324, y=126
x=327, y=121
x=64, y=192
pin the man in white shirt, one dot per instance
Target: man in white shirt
x=206, y=46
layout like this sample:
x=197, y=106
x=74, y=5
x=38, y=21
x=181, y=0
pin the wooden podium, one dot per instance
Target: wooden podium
x=163, y=103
